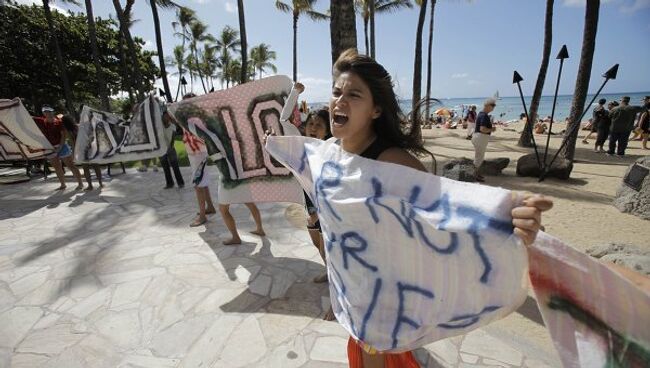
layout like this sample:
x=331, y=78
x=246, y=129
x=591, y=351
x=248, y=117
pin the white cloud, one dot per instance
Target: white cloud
x=459, y=75
x=201, y=1
x=473, y=82
x=637, y=5
x=230, y=7
x=54, y=7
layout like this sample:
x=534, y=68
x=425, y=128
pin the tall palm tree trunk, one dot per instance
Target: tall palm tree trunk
x=67, y=91
x=582, y=80
x=525, y=139
x=343, y=27
x=242, y=37
x=198, y=69
x=429, y=71
x=295, y=47
x=417, y=64
x=124, y=29
x=92, y=32
x=365, y=35
x=127, y=83
x=371, y=10
x=159, y=46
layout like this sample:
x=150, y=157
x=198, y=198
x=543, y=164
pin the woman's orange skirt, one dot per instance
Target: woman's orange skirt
x=401, y=360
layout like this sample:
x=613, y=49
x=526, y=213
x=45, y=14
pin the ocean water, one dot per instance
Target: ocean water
x=509, y=108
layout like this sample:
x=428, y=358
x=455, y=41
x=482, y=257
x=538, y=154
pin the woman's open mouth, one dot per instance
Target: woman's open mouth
x=340, y=118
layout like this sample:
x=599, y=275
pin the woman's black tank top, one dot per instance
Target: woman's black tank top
x=376, y=148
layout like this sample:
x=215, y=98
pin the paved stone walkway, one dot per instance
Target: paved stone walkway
x=117, y=279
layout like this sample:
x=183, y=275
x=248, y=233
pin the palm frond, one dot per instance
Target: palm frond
x=283, y=7
x=314, y=15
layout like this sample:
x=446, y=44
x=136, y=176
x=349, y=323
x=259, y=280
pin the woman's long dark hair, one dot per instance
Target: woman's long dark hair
x=392, y=125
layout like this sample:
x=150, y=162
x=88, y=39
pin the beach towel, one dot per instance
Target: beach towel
x=232, y=124
x=20, y=137
x=105, y=138
x=409, y=261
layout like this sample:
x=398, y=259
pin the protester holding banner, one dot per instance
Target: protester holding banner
x=73, y=128
x=169, y=161
x=55, y=133
x=318, y=126
x=365, y=117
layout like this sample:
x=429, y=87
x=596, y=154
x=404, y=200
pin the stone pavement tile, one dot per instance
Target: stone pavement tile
x=480, y=343
x=16, y=323
x=245, y=345
x=330, y=349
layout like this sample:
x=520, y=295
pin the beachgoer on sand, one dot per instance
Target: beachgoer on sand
x=603, y=127
x=470, y=121
x=597, y=116
x=481, y=136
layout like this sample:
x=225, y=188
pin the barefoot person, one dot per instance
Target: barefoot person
x=56, y=134
x=197, y=153
x=318, y=126
x=365, y=117
x=72, y=128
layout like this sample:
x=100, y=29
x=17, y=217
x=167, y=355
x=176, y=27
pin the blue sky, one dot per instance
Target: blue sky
x=477, y=44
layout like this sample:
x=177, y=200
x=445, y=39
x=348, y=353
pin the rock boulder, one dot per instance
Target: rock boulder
x=630, y=200
x=461, y=169
x=527, y=166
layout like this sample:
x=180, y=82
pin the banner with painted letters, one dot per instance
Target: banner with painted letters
x=232, y=123
x=107, y=138
x=412, y=258
x=596, y=317
x=20, y=137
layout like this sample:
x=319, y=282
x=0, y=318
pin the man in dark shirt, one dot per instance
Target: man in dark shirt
x=482, y=133
x=622, y=125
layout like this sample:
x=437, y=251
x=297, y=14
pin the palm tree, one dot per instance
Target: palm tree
x=417, y=64
x=92, y=34
x=582, y=80
x=179, y=61
x=67, y=91
x=209, y=63
x=525, y=139
x=364, y=8
x=261, y=56
x=198, y=34
x=343, y=27
x=297, y=8
x=227, y=42
x=161, y=57
x=124, y=16
x=185, y=16
x=429, y=56
x=244, y=51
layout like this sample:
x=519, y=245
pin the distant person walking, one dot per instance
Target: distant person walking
x=482, y=133
x=603, y=127
x=470, y=120
x=596, y=119
x=644, y=123
x=169, y=161
x=623, y=118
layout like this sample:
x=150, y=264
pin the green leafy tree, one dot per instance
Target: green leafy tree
x=92, y=35
x=165, y=4
x=179, y=61
x=261, y=57
x=227, y=42
x=363, y=7
x=296, y=9
x=185, y=16
x=32, y=75
x=198, y=34
x=57, y=50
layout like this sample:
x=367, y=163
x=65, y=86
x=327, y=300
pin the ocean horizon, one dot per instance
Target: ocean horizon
x=509, y=107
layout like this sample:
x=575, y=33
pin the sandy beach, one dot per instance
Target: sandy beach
x=583, y=214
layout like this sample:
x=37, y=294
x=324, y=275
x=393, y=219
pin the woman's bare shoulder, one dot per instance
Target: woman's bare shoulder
x=400, y=156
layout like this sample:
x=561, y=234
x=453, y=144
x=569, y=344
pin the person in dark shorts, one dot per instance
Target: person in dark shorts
x=603, y=128
x=596, y=119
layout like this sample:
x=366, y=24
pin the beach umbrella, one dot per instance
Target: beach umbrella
x=442, y=112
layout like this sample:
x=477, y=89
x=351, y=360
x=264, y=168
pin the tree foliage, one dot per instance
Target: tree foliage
x=28, y=64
